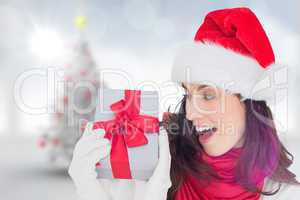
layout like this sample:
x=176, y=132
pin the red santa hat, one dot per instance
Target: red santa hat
x=231, y=50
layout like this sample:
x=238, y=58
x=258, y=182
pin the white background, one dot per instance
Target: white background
x=139, y=37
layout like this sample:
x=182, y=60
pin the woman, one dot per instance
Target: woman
x=233, y=134
x=223, y=141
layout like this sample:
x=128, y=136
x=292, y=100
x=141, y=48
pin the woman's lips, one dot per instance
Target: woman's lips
x=205, y=135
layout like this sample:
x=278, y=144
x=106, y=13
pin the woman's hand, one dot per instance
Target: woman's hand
x=158, y=185
x=91, y=148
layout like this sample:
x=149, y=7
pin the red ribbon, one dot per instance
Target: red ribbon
x=127, y=129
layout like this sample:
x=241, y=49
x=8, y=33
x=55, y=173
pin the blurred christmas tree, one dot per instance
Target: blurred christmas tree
x=76, y=101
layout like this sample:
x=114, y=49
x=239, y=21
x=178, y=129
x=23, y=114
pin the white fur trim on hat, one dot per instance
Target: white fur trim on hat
x=211, y=64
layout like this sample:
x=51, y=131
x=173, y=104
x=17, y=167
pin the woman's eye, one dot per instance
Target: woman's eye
x=206, y=97
x=209, y=96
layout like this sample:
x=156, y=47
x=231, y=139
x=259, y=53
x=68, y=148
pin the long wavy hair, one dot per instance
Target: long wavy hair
x=262, y=150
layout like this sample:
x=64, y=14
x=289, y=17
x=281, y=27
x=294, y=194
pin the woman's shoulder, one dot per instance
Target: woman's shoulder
x=286, y=192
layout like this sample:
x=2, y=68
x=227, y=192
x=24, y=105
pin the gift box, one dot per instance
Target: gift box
x=130, y=120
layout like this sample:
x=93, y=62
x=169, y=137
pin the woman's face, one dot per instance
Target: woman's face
x=218, y=117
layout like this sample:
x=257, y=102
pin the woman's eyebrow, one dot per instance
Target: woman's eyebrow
x=200, y=87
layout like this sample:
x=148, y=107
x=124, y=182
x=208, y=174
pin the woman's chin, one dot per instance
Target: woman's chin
x=214, y=153
x=215, y=150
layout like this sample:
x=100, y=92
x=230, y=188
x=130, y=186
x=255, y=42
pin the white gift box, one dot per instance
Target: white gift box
x=142, y=159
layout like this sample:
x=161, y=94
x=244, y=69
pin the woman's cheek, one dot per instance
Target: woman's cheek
x=224, y=139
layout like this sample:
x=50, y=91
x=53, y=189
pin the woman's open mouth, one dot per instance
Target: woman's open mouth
x=205, y=133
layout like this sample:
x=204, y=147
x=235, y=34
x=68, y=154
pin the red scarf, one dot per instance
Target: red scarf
x=223, y=188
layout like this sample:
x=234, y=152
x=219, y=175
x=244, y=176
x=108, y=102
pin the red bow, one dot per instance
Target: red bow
x=126, y=130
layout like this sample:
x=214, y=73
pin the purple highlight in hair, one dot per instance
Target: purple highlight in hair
x=262, y=148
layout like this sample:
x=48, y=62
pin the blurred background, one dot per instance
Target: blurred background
x=138, y=37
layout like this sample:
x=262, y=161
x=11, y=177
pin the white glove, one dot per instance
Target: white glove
x=91, y=148
x=159, y=183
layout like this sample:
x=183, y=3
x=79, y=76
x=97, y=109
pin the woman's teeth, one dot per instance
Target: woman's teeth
x=205, y=133
x=203, y=130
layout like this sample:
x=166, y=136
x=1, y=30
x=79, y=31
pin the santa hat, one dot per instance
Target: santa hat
x=231, y=51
